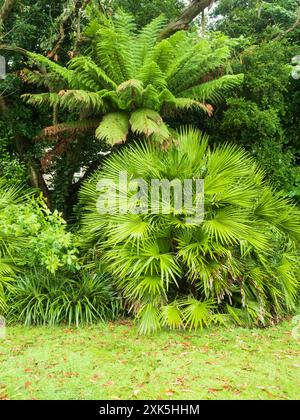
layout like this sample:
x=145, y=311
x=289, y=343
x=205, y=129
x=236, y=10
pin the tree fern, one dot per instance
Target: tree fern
x=130, y=72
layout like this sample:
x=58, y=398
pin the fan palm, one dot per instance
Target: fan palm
x=133, y=82
x=240, y=263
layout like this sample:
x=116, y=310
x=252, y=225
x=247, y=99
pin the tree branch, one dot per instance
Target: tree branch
x=6, y=9
x=22, y=146
x=291, y=29
x=5, y=47
x=188, y=15
x=63, y=19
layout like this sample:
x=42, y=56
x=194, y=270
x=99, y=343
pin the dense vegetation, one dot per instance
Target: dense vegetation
x=95, y=88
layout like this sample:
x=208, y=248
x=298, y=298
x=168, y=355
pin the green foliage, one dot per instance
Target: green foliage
x=10, y=166
x=261, y=133
x=37, y=297
x=46, y=243
x=255, y=18
x=240, y=263
x=263, y=116
x=268, y=78
x=133, y=80
x=145, y=11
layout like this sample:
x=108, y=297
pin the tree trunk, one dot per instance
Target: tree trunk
x=291, y=29
x=22, y=147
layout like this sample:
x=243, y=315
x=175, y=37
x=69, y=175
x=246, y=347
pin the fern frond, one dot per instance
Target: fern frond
x=81, y=100
x=68, y=128
x=147, y=40
x=64, y=73
x=114, y=128
x=187, y=103
x=114, y=48
x=152, y=74
x=162, y=54
x=39, y=99
x=50, y=80
x=89, y=74
x=151, y=98
x=148, y=122
x=200, y=59
x=129, y=94
x=215, y=89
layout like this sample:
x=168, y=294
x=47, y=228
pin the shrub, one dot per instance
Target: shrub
x=31, y=236
x=38, y=297
x=240, y=264
x=46, y=242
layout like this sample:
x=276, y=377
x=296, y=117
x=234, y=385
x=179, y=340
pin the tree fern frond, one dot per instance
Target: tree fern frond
x=130, y=93
x=81, y=100
x=68, y=128
x=151, y=74
x=48, y=79
x=113, y=128
x=114, y=48
x=39, y=99
x=162, y=54
x=215, y=89
x=147, y=40
x=188, y=103
x=148, y=122
x=64, y=73
x=203, y=65
x=90, y=75
x=151, y=98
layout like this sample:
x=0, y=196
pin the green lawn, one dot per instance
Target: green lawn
x=113, y=362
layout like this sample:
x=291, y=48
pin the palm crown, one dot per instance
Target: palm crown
x=133, y=81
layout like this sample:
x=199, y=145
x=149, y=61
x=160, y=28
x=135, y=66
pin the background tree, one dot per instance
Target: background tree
x=263, y=117
x=38, y=26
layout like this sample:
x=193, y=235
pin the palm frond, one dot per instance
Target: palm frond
x=197, y=314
